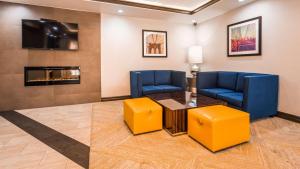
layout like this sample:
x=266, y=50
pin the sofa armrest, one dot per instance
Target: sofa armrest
x=206, y=80
x=179, y=79
x=135, y=84
x=261, y=95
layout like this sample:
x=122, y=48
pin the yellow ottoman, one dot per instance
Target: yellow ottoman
x=142, y=115
x=218, y=127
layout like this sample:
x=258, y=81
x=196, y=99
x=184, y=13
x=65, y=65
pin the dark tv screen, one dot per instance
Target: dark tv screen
x=49, y=34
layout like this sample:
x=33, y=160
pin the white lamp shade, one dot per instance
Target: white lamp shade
x=195, y=55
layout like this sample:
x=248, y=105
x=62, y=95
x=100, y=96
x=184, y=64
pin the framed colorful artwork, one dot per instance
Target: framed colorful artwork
x=155, y=43
x=244, y=38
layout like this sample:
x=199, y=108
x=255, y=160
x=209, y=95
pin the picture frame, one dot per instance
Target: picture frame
x=155, y=44
x=245, y=38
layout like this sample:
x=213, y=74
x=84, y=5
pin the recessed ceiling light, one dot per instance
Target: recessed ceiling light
x=120, y=11
x=241, y=0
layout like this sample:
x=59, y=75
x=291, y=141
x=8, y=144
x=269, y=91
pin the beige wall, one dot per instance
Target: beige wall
x=121, y=45
x=13, y=94
x=281, y=50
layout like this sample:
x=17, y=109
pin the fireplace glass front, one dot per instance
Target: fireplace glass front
x=41, y=76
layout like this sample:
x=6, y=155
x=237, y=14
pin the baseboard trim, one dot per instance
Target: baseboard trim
x=106, y=99
x=289, y=117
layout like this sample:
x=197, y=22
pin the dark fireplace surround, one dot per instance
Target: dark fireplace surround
x=51, y=75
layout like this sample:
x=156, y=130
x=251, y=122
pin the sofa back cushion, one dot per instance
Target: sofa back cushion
x=147, y=77
x=241, y=79
x=227, y=80
x=206, y=80
x=162, y=77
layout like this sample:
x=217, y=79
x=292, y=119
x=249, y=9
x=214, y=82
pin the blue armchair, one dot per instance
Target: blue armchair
x=156, y=81
x=254, y=93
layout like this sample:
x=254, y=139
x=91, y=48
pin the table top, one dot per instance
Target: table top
x=184, y=100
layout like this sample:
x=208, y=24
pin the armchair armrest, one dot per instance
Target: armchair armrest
x=179, y=79
x=261, y=95
x=206, y=80
x=135, y=84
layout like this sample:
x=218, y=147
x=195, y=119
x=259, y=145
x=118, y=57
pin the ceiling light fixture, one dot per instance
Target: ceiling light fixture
x=194, y=22
x=241, y=0
x=120, y=11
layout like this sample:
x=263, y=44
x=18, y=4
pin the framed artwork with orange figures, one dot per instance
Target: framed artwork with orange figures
x=155, y=43
x=244, y=38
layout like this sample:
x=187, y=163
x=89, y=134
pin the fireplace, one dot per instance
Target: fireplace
x=43, y=76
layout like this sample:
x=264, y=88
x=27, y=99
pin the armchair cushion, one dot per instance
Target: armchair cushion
x=147, y=77
x=235, y=98
x=162, y=77
x=227, y=80
x=214, y=91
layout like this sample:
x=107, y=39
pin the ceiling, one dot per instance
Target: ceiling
x=214, y=10
x=178, y=4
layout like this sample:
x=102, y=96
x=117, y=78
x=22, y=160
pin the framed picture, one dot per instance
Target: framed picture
x=244, y=38
x=155, y=43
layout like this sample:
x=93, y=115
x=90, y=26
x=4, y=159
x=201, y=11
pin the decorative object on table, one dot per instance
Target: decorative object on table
x=155, y=43
x=244, y=38
x=195, y=58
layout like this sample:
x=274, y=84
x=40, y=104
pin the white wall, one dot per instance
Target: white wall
x=121, y=50
x=281, y=46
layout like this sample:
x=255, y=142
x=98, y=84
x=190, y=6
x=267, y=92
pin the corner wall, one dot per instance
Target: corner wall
x=13, y=94
x=280, y=46
x=121, y=45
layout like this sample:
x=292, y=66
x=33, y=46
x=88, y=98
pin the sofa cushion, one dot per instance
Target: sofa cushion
x=147, y=77
x=214, y=91
x=150, y=89
x=162, y=77
x=160, y=89
x=227, y=80
x=169, y=88
x=235, y=98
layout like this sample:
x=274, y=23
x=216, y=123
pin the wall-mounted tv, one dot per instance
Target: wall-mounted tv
x=49, y=34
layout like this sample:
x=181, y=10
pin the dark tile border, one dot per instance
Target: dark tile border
x=106, y=99
x=289, y=117
x=67, y=146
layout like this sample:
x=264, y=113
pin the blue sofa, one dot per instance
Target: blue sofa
x=254, y=93
x=156, y=81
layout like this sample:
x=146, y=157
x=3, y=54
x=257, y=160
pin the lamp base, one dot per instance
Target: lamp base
x=194, y=87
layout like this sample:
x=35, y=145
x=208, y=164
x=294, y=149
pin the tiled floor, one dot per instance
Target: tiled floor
x=21, y=150
x=274, y=143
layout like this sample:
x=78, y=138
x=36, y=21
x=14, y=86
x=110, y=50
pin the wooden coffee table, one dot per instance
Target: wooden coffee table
x=175, y=106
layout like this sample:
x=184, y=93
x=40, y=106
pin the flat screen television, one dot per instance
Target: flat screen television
x=49, y=34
